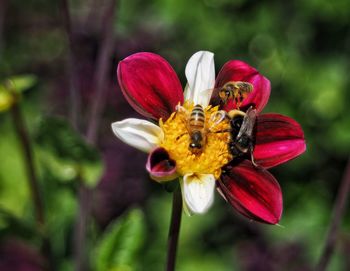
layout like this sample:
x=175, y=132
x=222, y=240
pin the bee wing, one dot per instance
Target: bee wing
x=245, y=87
x=248, y=123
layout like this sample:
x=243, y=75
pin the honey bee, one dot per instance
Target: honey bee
x=196, y=126
x=242, y=129
x=236, y=90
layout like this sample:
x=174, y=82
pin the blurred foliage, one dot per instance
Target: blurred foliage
x=13, y=194
x=303, y=47
x=65, y=152
x=12, y=87
x=6, y=100
x=119, y=247
x=20, y=83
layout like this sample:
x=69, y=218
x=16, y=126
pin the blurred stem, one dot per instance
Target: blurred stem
x=100, y=79
x=80, y=251
x=174, y=229
x=23, y=137
x=22, y=133
x=72, y=69
x=83, y=213
x=2, y=20
x=101, y=73
x=337, y=215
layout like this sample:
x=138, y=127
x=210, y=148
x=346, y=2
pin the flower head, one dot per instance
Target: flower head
x=193, y=137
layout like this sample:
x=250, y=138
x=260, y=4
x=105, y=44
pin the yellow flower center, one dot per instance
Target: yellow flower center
x=213, y=152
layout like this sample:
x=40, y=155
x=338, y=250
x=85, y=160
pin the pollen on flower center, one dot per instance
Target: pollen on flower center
x=214, y=153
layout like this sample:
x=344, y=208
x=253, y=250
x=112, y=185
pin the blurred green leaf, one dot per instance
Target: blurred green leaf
x=21, y=83
x=63, y=171
x=120, y=245
x=13, y=180
x=65, y=152
x=91, y=173
x=66, y=266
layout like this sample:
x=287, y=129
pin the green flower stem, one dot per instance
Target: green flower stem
x=174, y=229
x=337, y=215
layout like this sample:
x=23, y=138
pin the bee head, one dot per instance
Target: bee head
x=224, y=94
x=195, y=147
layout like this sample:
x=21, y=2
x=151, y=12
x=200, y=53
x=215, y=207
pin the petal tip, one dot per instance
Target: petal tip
x=160, y=166
x=253, y=192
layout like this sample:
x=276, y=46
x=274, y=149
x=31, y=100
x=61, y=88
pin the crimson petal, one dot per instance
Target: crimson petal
x=150, y=85
x=160, y=166
x=253, y=192
x=236, y=70
x=278, y=139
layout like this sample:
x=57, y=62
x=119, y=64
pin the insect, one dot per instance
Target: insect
x=196, y=126
x=242, y=129
x=235, y=90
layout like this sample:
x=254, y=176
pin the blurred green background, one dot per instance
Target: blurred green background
x=303, y=47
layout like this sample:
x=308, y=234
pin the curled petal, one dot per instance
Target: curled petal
x=253, y=192
x=150, y=85
x=140, y=134
x=160, y=167
x=200, y=74
x=198, y=192
x=236, y=70
x=278, y=139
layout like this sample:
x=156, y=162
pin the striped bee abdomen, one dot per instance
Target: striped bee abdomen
x=197, y=118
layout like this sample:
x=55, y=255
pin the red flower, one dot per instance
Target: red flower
x=151, y=86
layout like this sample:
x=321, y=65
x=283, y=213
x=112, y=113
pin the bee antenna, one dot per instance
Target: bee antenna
x=252, y=159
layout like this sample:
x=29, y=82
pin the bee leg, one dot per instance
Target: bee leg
x=238, y=102
x=180, y=136
x=221, y=131
x=252, y=158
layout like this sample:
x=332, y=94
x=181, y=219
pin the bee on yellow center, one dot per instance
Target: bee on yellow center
x=197, y=139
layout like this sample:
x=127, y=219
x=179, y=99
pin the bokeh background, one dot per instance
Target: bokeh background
x=102, y=212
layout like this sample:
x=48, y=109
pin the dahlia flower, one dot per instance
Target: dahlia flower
x=153, y=89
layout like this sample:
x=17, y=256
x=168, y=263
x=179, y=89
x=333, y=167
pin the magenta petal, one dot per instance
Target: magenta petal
x=278, y=139
x=253, y=192
x=160, y=166
x=236, y=70
x=150, y=85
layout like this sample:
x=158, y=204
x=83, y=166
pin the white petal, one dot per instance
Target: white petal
x=200, y=74
x=141, y=134
x=198, y=192
x=187, y=93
